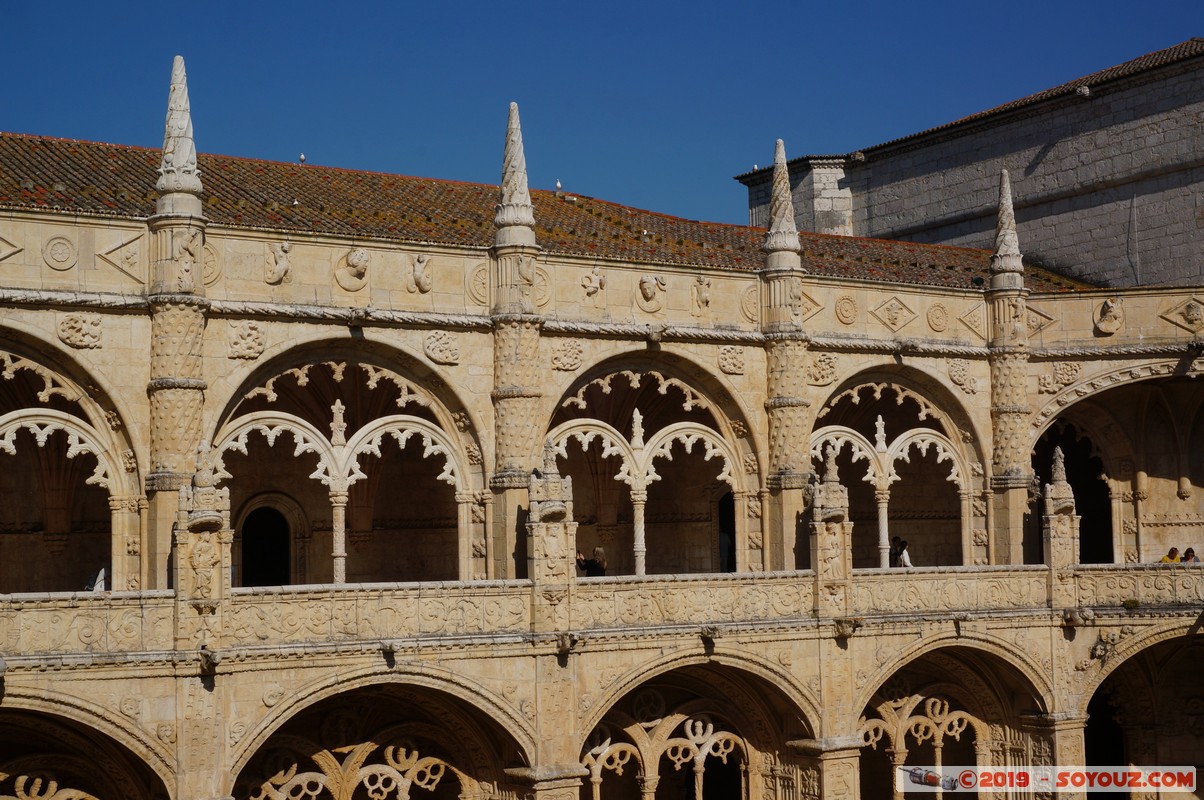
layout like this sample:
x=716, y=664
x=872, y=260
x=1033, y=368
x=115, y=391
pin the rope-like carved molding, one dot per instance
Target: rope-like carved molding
x=919, y=347
x=692, y=399
x=353, y=316
x=80, y=439
x=902, y=393
x=60, y=299
x=52, y=385
x=1118, y=351
x=268, y=390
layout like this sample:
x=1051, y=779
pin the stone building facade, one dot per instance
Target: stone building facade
x=1108, y=172
x=335, y=438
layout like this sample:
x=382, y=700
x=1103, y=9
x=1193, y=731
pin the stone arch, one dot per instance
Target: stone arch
x=407, y=708
x=432, y=677
x=1145, y=706
x=660, y=405
x=411, y=381
x=763, y=671
x=1000, y=651
x=955, y=704
x=86, y=731
x=102, y=404
x=690, y=712
x=294, y=515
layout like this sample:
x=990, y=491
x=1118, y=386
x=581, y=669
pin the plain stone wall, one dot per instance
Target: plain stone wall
x=1109, y=187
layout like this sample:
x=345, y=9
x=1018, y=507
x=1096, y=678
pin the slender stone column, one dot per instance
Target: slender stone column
x=338, y=524
x=882, y=498
x=639, y=548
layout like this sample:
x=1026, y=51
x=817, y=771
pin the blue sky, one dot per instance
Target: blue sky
x=651, y=104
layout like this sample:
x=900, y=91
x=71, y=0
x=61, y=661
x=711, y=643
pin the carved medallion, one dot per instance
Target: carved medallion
x=731, y=359
x=566, y=355
x=648, y=293
x=59, y=253
x=1110, y=316
x=750, y=303
x=440, y=347
x=246, y=340
x=211, y=264
x=478, y=285
x=351, y=271
x=959, y=373
x=822, y=369
x=846, y=310
x=81, y=331
x=938, y=318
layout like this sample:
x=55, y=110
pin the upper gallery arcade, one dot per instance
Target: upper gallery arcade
x=236, y=386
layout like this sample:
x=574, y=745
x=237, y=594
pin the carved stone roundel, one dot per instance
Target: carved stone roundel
x=211, y=265
x=750, y=301
x=478, y=285
x=846, y=310
x=59, y=253
x=938, y=318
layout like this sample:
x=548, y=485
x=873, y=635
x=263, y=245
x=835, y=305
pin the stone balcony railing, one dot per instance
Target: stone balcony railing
x=88, y=628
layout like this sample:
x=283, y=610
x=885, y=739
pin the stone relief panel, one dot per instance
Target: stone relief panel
x=821, y=371
x=700, y=296
x=1187, y=314
x=594, y=286
x=567, y=355
x=81, y=331
x=125, y=257
x=211, y=264
x=648, y=293
x=441, y=347
x=959, y=373
x=894, y=314
x=731, y=359
x=1061, y=375
x=421, y=277
x=975, y=321
x=276, y=263
x=8, y=249
x=1036, y=320
x=1110, y=316
x=246, y=340
x=351, y=271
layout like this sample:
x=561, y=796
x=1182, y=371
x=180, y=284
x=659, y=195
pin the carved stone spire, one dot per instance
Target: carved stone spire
x=783, y=234
x=177, y=170
x=1007, y=266
x=515, y=217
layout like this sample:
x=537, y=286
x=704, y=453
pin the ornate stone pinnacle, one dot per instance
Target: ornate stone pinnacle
x=1007, y=256
x=177, y=170
x=1059, y=466
x=515, y=208
x=783, y=234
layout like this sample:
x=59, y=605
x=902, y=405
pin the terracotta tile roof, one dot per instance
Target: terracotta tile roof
x=74, y=177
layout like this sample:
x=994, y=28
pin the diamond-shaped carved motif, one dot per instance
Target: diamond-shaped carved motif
x=802, y=306
x=976, y=320
x=8, y=249
x=1188, y=314
x=894, y=313
x=1037, y=321
x=124, y=258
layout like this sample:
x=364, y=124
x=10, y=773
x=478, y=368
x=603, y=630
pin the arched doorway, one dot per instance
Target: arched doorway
x=265, y=548
x=1086, y=475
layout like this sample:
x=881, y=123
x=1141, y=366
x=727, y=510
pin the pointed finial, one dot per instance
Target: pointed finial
x=515, y=209
x=783, y=234
x=1007, y=258
x=1059, y=466
x=177, y=170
